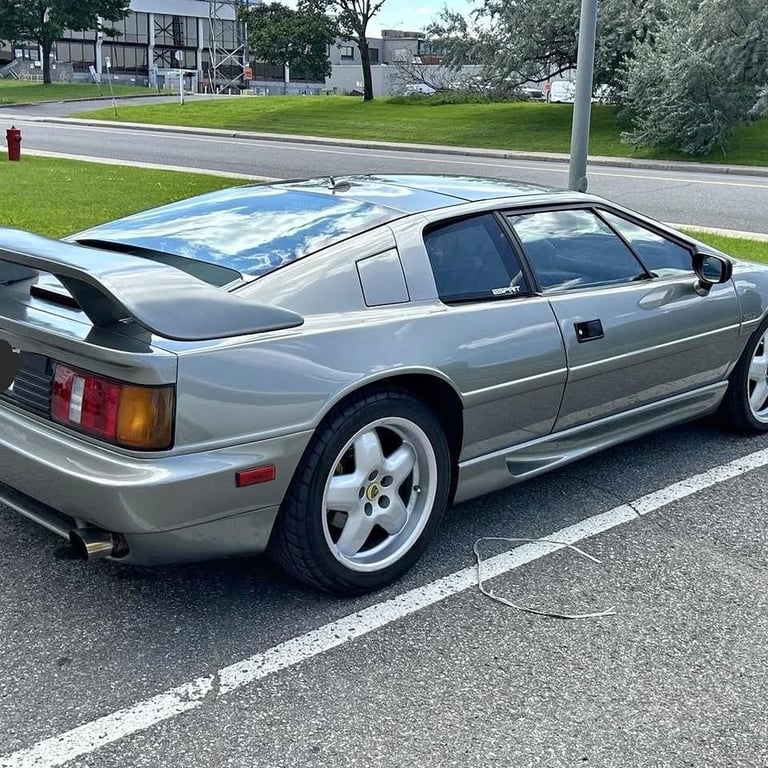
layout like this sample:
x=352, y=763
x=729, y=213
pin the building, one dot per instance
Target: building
x=157, y=35
x=202, y=37
x=393, y=47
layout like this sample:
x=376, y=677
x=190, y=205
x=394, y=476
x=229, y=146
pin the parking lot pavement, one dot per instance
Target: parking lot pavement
x=677, y=677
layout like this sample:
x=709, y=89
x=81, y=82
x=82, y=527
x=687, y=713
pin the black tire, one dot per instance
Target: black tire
x=307, y=540
x=736, y=412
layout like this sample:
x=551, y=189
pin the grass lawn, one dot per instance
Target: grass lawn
x=57, y=197
x=20, y=92
x=752, y=250
x=514, y=125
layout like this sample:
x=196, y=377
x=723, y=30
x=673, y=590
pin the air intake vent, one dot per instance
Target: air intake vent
x=32, y=387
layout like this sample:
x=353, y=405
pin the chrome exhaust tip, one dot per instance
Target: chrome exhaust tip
x=90, y=543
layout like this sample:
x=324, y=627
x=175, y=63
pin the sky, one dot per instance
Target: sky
x=408, y=15
x=412, y=15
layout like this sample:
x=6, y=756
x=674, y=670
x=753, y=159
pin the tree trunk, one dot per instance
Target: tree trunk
x=46, y=45
x=365, y=61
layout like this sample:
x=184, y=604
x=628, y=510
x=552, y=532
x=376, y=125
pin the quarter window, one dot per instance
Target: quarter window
x=663, y=257
x=472, y=259
x=574, y=249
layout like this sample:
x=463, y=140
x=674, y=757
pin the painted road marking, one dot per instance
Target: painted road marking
x=89, y=737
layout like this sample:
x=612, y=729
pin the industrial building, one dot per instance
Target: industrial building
x=203, y=38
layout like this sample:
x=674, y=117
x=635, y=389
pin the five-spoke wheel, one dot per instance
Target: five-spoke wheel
x=757, y=380
x=380, y=494
x=745, y=406
x=369, y=493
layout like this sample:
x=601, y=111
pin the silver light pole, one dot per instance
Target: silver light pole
x=585, y=67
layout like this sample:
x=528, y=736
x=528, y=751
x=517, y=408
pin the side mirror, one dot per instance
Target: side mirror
x=710, y=269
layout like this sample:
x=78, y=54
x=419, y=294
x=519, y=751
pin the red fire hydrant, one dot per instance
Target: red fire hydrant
x=13, y=139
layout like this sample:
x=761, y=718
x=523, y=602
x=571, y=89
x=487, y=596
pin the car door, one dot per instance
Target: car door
x=503, y=349
x=634, y=333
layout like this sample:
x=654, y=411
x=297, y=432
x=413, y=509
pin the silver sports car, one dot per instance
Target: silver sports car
x=318, y=368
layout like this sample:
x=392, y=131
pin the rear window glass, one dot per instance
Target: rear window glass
x=251, y=230
x=473, y=260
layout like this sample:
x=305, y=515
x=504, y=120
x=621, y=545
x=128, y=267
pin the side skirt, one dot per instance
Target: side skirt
x=508, y=466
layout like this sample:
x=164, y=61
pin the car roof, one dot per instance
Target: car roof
x=415, y=193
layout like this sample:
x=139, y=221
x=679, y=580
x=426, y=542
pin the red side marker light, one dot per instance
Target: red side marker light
x=255, y=475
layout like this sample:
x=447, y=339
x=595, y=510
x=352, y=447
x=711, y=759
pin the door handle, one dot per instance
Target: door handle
x=588, y=330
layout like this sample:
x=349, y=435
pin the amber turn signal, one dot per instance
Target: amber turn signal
x=145, y=417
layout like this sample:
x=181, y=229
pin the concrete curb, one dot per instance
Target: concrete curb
x=149, y=166
x=553, y=157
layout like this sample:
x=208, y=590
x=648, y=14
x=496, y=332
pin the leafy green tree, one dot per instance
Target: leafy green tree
x=684, y=70
x=298, y=37
x=353, y=18
x=44, y=21
x=528, y=40
x=704, y=70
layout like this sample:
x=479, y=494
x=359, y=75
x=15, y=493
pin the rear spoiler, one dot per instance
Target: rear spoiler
x=110, y=287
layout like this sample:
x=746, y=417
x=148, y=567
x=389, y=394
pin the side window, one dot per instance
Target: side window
x=661, y=256
x=472, y=259
x=574, y=249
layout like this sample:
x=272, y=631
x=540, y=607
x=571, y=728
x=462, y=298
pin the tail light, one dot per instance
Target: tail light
x=124, y=414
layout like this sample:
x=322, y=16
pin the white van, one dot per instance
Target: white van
x=562, y=92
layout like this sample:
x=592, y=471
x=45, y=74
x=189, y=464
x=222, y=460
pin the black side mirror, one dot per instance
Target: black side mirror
x=710, y=269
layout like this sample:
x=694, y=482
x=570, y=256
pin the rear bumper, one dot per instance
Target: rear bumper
x=244, y=534
x=168, y=508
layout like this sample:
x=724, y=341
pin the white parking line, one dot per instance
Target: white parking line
x=89, y=737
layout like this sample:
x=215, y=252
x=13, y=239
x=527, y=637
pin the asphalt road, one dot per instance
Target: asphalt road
x=678, y=677
x=700, y=198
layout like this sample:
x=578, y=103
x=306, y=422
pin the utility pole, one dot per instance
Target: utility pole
x=585, y=67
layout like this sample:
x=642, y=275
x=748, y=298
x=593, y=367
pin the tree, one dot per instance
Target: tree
x=44, y=21
x=300, y=38
x=426, y=78
x=353, y=17
x=704, y=70
x=527, y=40
x=684, y=70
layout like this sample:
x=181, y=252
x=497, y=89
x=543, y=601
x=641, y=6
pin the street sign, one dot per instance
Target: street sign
x=247, y=73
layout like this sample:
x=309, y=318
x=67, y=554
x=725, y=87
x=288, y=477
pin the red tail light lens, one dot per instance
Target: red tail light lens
x=85, y=402
x=127, y=415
